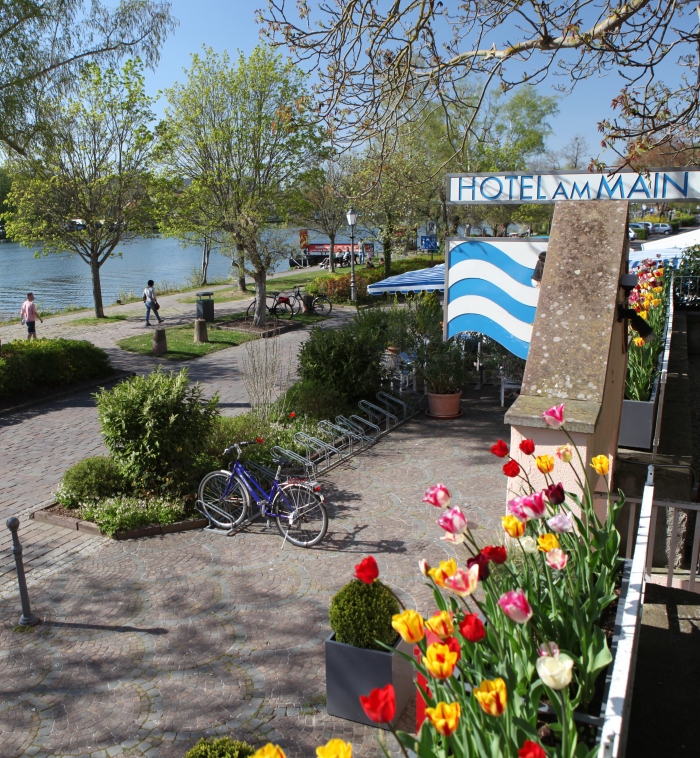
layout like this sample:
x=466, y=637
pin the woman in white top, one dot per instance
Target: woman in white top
x=149, y=298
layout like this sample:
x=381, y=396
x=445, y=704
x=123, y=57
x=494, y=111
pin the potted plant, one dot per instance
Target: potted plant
x=357, y=658
x=443, y=368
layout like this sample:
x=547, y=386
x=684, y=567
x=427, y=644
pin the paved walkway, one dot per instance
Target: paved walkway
x=147, y=645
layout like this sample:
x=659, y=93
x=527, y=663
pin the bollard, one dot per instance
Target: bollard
x=27, y=618
x=200, y=331
x=160, y=345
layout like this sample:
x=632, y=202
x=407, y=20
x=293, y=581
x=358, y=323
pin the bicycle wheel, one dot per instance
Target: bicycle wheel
x=251, y=310
x=283, y=310
x=301, y=516
x=223, y=512
x=297, y=303
x=322, y=305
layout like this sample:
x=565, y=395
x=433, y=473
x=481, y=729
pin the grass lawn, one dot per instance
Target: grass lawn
x=297, y=318
x=276, y=284
x=181, y=345
x=93, y=321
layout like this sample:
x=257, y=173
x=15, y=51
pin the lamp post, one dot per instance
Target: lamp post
x=644, y=212
x=352, y=220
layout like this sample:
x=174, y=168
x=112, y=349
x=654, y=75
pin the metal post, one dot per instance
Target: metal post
x=27, y=618
x=353, y=285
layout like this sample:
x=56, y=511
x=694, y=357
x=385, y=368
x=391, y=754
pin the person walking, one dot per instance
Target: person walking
x=149, y=298
x=29, y=316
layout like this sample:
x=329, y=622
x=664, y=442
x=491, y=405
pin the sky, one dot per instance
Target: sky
x=230, y=25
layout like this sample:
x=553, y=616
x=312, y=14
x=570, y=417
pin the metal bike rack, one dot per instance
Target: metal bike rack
x=392, y=403
x=366, y=429
x=342, y=439
x=378, y=415
x=304, y=463
x=318, y=451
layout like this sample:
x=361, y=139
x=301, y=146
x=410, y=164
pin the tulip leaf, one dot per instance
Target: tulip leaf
x=599, y=655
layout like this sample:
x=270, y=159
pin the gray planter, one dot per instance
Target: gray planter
x=637, y=422
x=353, y=671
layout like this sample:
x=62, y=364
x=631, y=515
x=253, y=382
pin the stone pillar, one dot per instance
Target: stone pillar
x=578, y=350
x=160, y=345
x=200, y=330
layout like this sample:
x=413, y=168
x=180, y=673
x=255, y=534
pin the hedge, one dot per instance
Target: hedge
x=29, y=366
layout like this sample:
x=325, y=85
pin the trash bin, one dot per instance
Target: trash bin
x=205, y=305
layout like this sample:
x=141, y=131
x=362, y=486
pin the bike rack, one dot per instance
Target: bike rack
x=378, y=415
x=392, y=403
x=305, y=463
x=339, y=435
x=366, y=429
x=317, y=449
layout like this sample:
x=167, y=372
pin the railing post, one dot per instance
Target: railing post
x=27, y=618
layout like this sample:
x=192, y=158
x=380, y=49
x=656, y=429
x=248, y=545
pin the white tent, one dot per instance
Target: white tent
x=677, y=241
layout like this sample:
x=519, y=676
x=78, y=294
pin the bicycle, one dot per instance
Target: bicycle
x=296, y=505
x=281, y=306
x=321, y=305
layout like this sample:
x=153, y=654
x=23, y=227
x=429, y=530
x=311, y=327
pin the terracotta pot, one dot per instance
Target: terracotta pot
x=444, y=405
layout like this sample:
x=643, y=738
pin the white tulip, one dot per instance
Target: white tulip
x=556, y=673
x=528, y=544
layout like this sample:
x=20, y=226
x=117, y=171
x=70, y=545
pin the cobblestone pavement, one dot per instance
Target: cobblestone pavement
x=149, y=644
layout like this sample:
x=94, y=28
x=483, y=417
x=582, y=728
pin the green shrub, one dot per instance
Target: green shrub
x=360, y=615
x=687, y=219
x=120, y=514
x=90, y=480
x=220, y=747
x=30, y=366
x=156, y=427
x=317, y=401
x=641, y=233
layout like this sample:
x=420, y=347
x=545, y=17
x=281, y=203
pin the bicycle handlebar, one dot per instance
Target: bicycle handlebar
x=239, y=445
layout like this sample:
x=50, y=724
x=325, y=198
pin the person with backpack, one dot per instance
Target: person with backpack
x=149, y=298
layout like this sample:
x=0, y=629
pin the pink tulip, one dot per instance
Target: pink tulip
x=556, y=559
x=517, y=509
x=453, y=521
x=438, y=495
x=550, y=649
x=554, y=417
x=515, y=605
x=528, y=506
x=560, y=523
x=463, y=582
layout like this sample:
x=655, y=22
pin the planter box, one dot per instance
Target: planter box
x=353, y=671
x=637, y=422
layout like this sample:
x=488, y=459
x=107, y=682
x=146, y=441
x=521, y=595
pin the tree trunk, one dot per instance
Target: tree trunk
x=206, y=252
x=386, y=244
x=260, y=279
x=331, y=257
x=241, y=273
x=96, y=288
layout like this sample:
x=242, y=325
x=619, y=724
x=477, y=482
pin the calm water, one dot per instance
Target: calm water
x=58, y=281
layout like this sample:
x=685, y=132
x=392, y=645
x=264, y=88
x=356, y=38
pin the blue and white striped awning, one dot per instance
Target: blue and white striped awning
x=424, y=280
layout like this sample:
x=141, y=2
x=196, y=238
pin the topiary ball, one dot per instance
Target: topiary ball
x=221, y=747
x=360, y=615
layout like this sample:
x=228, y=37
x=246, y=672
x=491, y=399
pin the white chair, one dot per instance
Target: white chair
x=508, y=384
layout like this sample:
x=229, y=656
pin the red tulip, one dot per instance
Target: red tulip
x=472, y=628
x=482, y=562
x=500, y=449
x=495, y=553
x=380, y=704
x=555, y=494
x=367, y=570
x=454, y=646
x=259, y=440
x=527, y=447
x=531, y=749
x=512, y=468
x=292, y=415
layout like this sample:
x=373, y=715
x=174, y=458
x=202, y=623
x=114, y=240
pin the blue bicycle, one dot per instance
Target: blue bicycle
x=295, y=504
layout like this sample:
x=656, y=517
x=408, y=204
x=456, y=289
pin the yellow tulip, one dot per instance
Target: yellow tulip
x=639, y=342
x=565, y=453
x=656, y=302
x=643, y=314
x=270, y=751
x=547, y=542
x=440, y=660
x=513, y=527
x=335, y=749
x=601, y=464
x=492, y=696
x=441, y=624
x=545, y=463
x=444, y=717
x=409, y=625
x=658, y=289
x=446, y=568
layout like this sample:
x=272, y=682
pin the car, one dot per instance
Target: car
x=662, y=229
x=637, y=225
x=631, y=233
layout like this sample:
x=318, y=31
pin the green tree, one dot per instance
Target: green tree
x=242, y=135
x=46, y=42
x=87, y=189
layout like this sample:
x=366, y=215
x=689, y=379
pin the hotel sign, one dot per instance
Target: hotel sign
x=512, y=187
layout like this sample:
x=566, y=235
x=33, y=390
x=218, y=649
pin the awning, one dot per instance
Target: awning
x=424, y=280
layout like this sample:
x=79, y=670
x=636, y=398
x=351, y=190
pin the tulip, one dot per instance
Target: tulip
x=453, y=521
x=554, y=417
x=560, y=523
x=556, y=559
x=511, y=469
x=462, y=582
x=556, y=673
x=440, y=660
x=531, y=749
x=335, y=749
x=555, y=494
x=454, y=646
x=367, y=570
x=492, y=696
x=445, y=569
x=545, y=463
x=639, y=341
x=547, y=542
x=528, y=544
x=516, y=508
x=292, y=415
x=444, y=717
x=495, y=553
x=565, y=453
x=441, y=625
x=516, y=606
x=424, y=567
x=527, y=447
x=601, y=464
x=482, y=563
x=548, y=648
x=409, y=625
x=438, y=495
x=528, y=506
x=380, y=704
x=500, y=449
x=472, y=628
x=269, y=751
x=513, y=526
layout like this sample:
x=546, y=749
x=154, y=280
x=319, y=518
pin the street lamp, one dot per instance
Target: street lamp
x=644, y=212
x=352, y=220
